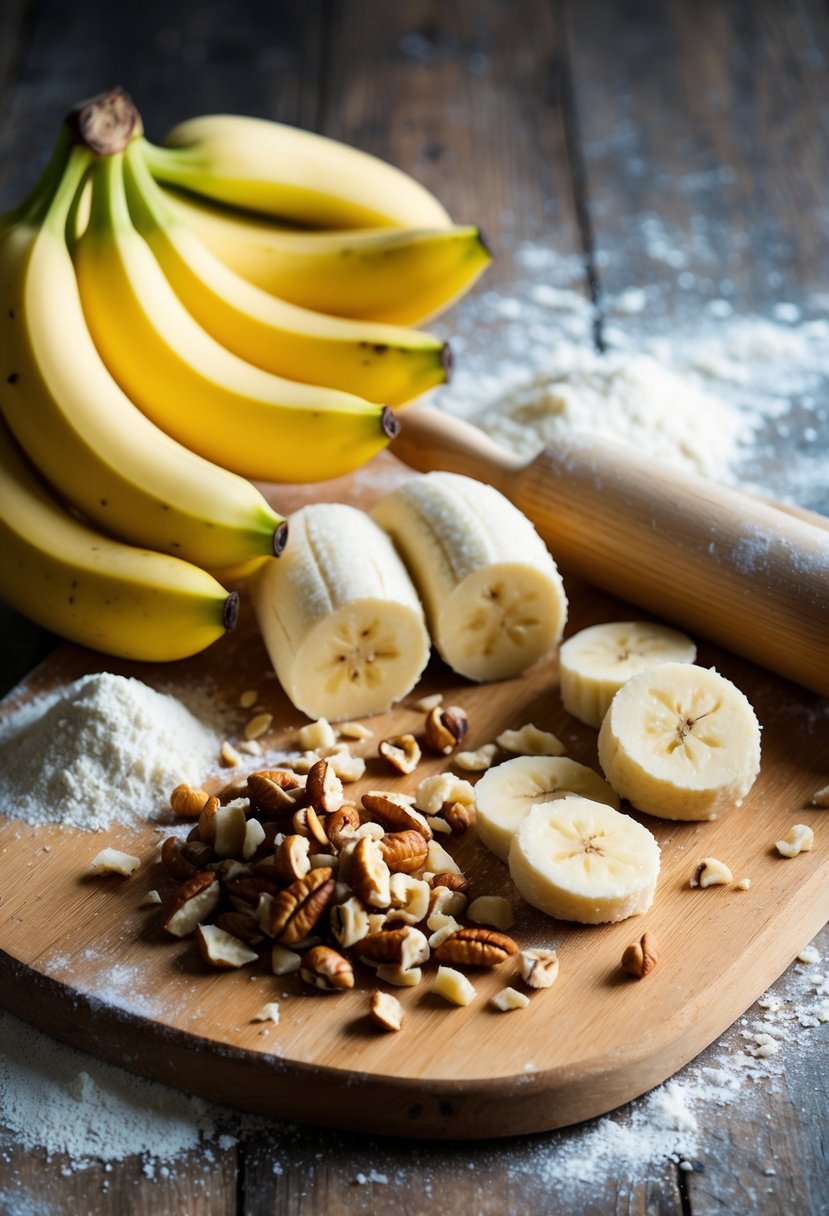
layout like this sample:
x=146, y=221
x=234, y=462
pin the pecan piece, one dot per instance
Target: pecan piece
x=385, y=1010
x=455, y=882
x=207, y=817
x=640, y=958
x=402, y=948
x=400, y=752
x=324, y=788
x=306, y=822
x=297, y=909
x=394, y=816
x=221, y=949
x=191, y=903
x=197, y=852
x=446, y=726
x=341, y=824
x=368, y=873
x=476, y=948
x=459, y=815
x=404, y=852
x=176, y=865
x=243, y=925
x=291, y=858
x=274, y=791
x=327, y=970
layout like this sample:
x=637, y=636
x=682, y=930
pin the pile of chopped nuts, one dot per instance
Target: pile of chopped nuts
x=280, y=866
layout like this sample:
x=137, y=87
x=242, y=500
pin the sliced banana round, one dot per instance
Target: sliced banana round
x=581, y=860
x=339, y=615
x=505, y=794
x=597, y=661
x=493, y=595
x=680, y=742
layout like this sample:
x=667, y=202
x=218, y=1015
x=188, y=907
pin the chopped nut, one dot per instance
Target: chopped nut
x=427, y=704
x=440, y=861
x=491, y=910
x=173, y=860
x=113, y=861
x=291, y=857
x=153, y=897
x=324, y=788
x=443, y=899
x=368, y=873
x=207, y=817
x=285, y=961
x=409, y=899
x=198, y=852
x=401, y=752
x=385, y=1010
x=389, y=974
x=434, y=792
x=341, y=824
x=274, y=791
x=354, y=730
x=404, y=948
x=640, y=958
x=187, y=801
x=324, y=859
x=327, y=970
x=453, y=986
x=228, y=755
x=222, y=949
x=809, y=955
x=442, y=926
x=303, y=763
x=445, y=728
x=509, y=998
x=229, y=827
x=254, y=836
x=371, y=830
x=306, y=822
x=460, y=816
x=478, y=761
x=711, y=873
x=799, y=839
x=348, y=768
x=251, y=747
x=404, y=852
x=438, y=825
x=248, y=698
x=538, y=967
x=296, y=910
x=743, y=884
x=476, y=948
x=349, y=922
x=447, y=878
x=268, y=1013
x=317, y=736
x=394, y=816
x=241, y=924
x=530, y=741
x=231, y=790
x=191, y=903
x=259, y=725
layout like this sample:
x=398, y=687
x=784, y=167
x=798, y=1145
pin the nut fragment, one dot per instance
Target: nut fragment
x=268, y=1013
x=242, y=924
x=478, y=761
x=476, y=948
x=327, y=969
x=509, y=998
x=799, y=839
x=453, y=986
x=221, y=949
x=187, y=801
x=324, y=788
x=341, y=824
x=409, y=899
x=354, y=730
x=114, y=861
x=368, y=873
x=711, y=873
x=385, y=1010
x=255, y=835
x=445, y=729
x=207, y=816
x=460, y=816
x=317, y=736
x=491, y=910
x=427, y=704
x=285, y=961
x=404, y=852
x=404, y=948
x=387, y=973
x=538, y=967
x=433, y=792
x=394, y=816
x=640, y=958
x=820, y=797
x=291, y=857
x=348, y=768
x=439, y=861
x=248, y=698
x=443, y=899
x=259, y=725
x=296, y=910
x=401, y=752
x=229, y=824
x=191, y=903
x=528, y=740
x=349, y=922
x=306, y=822
x=228, y=755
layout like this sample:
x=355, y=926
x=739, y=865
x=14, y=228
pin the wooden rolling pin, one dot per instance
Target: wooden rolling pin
x=724, y=565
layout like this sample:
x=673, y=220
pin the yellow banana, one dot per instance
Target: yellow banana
x=402, y=276
x=224, y=408
x=381, y=362
x=283, y=171
x=94, y=590
x=84, y=435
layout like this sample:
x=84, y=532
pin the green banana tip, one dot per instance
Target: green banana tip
x=389, y=423
x=280, y=538
x=230, y=612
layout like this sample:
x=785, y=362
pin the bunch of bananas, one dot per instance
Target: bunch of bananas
x=160, y=348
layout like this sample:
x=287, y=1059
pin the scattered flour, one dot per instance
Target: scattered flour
x=104, y=748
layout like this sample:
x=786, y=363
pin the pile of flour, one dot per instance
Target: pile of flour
x=105, y=748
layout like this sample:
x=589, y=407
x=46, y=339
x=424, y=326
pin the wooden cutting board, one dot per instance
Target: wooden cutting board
x=83, y=957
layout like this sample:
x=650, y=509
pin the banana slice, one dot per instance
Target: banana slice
x=680, y=742
x=493, y=595
x=505, y=794
x=581, y=860
x=341, y=620
x=596, y=662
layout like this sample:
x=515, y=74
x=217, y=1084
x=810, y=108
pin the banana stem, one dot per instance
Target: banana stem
x=61, y=205
x=148, y=206
x=106, y=123
x=108, y=206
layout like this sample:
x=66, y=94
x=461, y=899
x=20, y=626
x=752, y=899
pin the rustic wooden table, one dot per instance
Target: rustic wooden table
x=587, y=126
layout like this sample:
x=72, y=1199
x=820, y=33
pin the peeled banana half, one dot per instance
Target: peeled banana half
x=339, y=615
x=583, y=861
x=506, y=793
x=493, y=596
x=680, y=742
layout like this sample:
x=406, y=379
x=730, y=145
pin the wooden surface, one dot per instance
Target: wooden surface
x=570, y=123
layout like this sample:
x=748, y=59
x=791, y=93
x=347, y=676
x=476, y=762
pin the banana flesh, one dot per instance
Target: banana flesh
x=94, y=590
x=493, y=595
x=505, y=794
x=403, y=276
x=247, y=420
x=84, y=435
x=381, y=362
x=596, y=662
x=583, y=861
x=339, y=616
x=296, y=175
x=680, y=742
